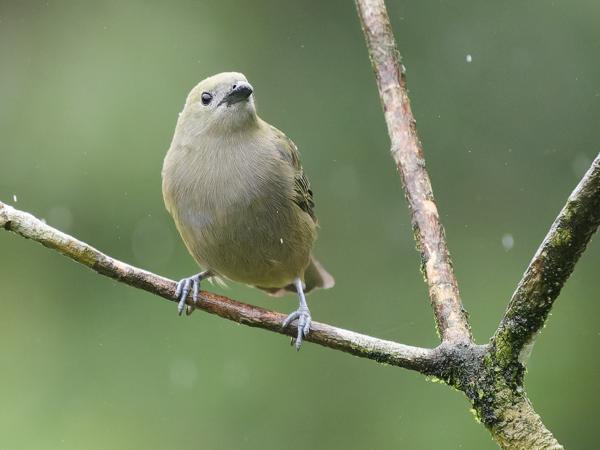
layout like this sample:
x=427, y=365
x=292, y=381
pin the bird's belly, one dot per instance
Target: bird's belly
x=258, y=243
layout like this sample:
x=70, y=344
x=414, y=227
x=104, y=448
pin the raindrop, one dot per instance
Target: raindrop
x=508, y=241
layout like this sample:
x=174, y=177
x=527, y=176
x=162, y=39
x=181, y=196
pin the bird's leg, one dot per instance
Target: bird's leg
x=302, y=314
x=185, y=285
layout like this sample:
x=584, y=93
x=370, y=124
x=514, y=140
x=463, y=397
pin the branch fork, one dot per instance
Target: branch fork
x=491, y=375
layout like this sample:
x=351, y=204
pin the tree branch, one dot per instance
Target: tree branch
x=451, y=318
x=22, y=223
x=519, y=427
x=549, y=269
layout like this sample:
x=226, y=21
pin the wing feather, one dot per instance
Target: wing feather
x=303, y=193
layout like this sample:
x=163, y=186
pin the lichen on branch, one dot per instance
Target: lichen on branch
x=549, y=269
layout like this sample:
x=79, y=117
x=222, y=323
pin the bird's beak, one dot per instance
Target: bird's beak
x=239, y=92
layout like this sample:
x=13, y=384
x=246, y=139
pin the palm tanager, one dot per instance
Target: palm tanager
x=240, y=199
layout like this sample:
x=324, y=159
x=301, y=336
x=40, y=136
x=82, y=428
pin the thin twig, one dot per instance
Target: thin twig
x=550, y=268
x=451, y=318
x=28, y=226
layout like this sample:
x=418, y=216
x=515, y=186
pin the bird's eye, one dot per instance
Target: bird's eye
x=206, y=98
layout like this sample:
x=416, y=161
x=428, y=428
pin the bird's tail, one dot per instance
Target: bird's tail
x=315, y=276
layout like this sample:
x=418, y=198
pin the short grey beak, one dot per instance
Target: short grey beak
x=239, y=92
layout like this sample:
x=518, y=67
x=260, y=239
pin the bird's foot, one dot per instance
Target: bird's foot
x=304, y=320
x=184, y=286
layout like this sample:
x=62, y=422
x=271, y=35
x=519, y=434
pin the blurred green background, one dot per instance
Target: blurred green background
x=89, y=96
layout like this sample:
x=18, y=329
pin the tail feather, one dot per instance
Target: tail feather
x=315, y=276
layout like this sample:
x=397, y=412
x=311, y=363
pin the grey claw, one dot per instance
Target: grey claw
x=306, y=328
x=289, y=319
x=196, y=289
x=183, y=289
x=179, y=287
x=184, y=294
x=304, y=320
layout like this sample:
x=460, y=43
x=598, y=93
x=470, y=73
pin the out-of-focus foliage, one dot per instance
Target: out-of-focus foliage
x=89, y=95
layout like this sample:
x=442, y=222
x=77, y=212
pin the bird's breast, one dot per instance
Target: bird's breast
x=236, y=215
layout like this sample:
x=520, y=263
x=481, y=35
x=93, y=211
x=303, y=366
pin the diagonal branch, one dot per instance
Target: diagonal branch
x=451, y=318
x=22, y=223
x=550, y=268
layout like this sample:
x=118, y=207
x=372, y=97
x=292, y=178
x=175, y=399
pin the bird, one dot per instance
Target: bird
x=240, y=199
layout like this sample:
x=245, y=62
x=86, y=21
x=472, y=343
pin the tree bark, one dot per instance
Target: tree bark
x=407, y=151
x=549, y=269
x=519, y=427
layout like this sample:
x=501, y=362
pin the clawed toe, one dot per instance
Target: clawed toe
x=184, y=287
x=304, y=320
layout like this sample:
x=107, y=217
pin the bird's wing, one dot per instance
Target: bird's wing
x=289, y=153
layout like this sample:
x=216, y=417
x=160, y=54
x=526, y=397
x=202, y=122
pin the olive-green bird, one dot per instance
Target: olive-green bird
x=239, y=197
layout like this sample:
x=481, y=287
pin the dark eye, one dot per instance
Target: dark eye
x=206, y=98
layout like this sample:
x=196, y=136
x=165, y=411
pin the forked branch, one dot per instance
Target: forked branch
x=491, y=376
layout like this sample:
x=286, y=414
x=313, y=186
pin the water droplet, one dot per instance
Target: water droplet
x=508, y=241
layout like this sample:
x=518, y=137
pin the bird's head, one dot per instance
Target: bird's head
x=223, y=101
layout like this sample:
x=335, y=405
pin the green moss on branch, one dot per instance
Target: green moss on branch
x=549, y=269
